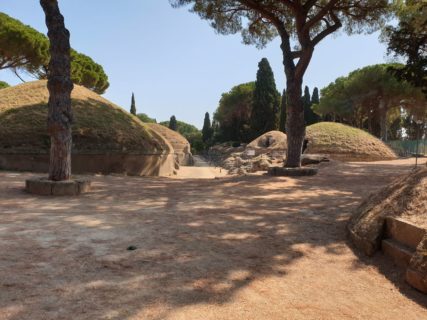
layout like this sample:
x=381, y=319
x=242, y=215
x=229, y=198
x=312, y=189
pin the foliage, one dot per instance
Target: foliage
x=132, y=105
x=183, y=128
x=233, y=113
x=370, y=98
x=21, y=46
x=145, y=118
x=173, y=124
x=282, y=116
x=88, y=73
x=266, y=101
x=309, y=115
x=409, y=40
x=3, y=85
x=191, y=133
x=196, y=142
x=24, y=48
x=300, y=26
x=207, y=130
x=315, y=97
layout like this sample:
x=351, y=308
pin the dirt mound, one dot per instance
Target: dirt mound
x=405, y=198
x=270, y=141
x=346, y=143
x=179, y=143
x=99, y=125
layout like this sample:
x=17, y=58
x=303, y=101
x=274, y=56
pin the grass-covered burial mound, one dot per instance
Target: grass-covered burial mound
x=105, y=137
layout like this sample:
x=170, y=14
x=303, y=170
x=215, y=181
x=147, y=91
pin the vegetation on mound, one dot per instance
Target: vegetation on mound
x=178, y=141
x=99, y=125
x=346, y=143
x=145, y=118
x=190, y=132
x=3, y=85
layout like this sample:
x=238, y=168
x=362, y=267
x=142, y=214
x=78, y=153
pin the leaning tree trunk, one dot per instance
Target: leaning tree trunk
x=60, y=87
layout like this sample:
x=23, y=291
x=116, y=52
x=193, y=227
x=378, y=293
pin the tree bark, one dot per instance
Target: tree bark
x=295, y=125
x=60, y=86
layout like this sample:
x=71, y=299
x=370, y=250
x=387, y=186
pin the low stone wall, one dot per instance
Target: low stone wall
x=130, y=164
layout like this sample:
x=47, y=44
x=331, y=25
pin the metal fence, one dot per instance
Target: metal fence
x=408, y=147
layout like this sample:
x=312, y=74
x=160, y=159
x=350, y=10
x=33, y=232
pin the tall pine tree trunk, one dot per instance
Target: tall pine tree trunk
x=60, y=87
x=295, y=125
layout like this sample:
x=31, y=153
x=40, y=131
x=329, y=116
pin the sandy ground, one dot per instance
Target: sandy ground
x=200, y=170
x=252, y=247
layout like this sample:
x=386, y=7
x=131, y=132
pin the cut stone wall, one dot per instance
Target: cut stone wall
x=130, y=164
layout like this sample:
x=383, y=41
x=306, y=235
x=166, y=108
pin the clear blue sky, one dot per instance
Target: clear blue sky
x=174, y=61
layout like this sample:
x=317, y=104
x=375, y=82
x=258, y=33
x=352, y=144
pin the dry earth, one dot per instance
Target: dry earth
x=252, y=247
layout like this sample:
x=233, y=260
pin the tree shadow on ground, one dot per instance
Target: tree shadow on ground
x=197, y=241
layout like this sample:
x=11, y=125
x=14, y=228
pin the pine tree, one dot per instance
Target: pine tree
x=282, y=119
x=207, y=128
x=132, y=105
x=173, y=125
x=264, y=116
x=309, y=115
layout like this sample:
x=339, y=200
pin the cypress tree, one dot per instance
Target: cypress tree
x=282, y=119
x=315, y=97
x=207, y=128
x=132, y=105
x=264, y=116
x=173, y=124
x=309, y=115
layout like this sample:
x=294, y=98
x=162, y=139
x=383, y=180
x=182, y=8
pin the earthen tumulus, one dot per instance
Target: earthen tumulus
x=106, y=139
x=180, y=144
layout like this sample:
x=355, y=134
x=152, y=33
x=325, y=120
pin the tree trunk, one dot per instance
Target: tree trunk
x=60, y=87
x=295, y=126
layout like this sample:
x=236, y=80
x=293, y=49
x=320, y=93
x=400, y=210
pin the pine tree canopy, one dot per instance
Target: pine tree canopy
x=24, y=48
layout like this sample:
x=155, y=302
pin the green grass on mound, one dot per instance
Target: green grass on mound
x=99, y=125
x=346, y=143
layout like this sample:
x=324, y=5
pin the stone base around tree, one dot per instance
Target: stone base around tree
x=45, y=187
x=292, y=172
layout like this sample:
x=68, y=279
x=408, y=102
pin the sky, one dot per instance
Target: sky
x=173, y=61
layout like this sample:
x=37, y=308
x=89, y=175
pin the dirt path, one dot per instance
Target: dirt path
x=231, y=248
x=200, y=170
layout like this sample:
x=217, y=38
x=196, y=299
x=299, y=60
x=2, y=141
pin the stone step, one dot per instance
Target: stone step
x=406, y=233
x=399, y=253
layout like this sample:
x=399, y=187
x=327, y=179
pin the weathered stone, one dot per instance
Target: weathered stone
x=416, y=275
x=64, y=188
x=307, y=159
x=292, y=172
x=45, y=187
x=38, y=186
x=416, y=279
x=84, y=186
